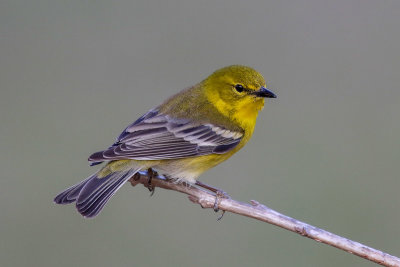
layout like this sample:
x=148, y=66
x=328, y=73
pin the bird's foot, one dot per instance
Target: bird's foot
x=151, y=174
x=219, y=194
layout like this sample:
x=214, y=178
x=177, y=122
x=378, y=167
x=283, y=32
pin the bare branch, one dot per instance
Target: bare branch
x=260, y=212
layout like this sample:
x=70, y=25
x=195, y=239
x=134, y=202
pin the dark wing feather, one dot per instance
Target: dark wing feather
x=157, y=136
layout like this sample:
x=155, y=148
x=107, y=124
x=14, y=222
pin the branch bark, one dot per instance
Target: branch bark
x=260, y=212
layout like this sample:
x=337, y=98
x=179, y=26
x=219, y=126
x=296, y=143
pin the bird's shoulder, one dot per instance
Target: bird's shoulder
x=192, y=104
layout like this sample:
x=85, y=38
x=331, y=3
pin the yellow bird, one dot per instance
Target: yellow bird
x=188, y=134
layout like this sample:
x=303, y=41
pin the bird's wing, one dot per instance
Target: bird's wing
x=156, y=136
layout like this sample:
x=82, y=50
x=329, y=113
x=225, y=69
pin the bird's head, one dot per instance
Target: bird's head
x=237, y=91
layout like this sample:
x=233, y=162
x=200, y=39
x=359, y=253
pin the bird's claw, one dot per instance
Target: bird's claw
x=218, y=196
x=151, y=174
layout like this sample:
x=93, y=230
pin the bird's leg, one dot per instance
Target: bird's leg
x=213, y=189
x=218, y=195
x=151, y=174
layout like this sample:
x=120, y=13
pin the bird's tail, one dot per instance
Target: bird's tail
x=94, y=192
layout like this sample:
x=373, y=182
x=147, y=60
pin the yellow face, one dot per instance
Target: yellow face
x=237, y=91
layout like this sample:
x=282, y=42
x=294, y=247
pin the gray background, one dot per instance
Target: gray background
x=73, y=74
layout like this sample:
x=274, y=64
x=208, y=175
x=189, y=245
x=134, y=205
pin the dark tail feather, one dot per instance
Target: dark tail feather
x=97, y=191
x=93, y=193
x=71, y=194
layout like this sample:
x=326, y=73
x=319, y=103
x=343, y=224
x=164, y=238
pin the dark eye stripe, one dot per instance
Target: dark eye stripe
x=241, y=89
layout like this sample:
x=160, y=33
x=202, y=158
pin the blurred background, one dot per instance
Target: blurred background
x=73, y=74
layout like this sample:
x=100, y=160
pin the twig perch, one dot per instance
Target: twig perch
x=260, y=212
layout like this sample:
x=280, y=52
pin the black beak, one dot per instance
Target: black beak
x=264, y=92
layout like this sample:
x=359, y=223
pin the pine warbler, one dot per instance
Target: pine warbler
x=188, y=134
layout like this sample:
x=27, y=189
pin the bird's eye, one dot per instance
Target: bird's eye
x=239, y=88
